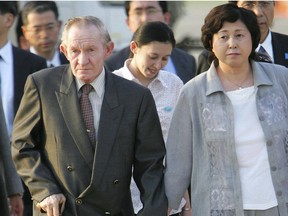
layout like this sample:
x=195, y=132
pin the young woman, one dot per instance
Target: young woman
x=151, y=47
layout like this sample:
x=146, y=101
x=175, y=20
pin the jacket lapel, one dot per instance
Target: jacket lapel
x=111, y=114
x=68, y=101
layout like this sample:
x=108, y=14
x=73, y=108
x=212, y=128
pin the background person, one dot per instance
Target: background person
x=15, y=65
x=11, y=188
x=41, y=28
x=21, y=40
x=180, y=63
x=229, y=128
x=151, y=46
x=79, y=163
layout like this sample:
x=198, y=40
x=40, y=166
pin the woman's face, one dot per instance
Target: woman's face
x=149, y=59
x=232, y=44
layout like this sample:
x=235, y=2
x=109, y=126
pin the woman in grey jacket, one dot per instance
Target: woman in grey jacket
x=229, y=131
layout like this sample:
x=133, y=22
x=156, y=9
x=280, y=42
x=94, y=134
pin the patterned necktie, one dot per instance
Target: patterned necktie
x=264, y=55
x=87, y=112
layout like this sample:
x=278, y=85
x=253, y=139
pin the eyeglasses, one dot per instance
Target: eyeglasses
x=254, y=4
x=139, y=12
x=47, y=28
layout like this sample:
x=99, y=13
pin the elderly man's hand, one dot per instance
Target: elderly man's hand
x=52, y=205
x=16, y=205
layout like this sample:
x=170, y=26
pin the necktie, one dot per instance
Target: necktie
x=264, y=55
x=87, y=112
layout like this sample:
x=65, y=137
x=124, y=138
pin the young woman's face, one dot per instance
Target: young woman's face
x=151, y=58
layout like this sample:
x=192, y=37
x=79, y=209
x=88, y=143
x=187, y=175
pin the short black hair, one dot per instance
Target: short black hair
x=39, y=7
x=162, y=4
x=154, y=31
x=9, y=7
x=229, y=13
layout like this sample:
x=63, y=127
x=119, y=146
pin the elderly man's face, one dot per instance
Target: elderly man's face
x=85, y=51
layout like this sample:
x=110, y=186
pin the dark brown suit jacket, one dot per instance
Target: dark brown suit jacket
x=53, y=155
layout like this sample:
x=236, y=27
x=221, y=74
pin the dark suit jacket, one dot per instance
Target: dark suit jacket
x=53, y=154
x=280, y=49
x=184, y=63
x=10, y=182
x=25, y=63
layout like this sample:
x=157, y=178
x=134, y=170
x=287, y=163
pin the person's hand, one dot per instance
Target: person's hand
x=186, y=212
x=16, y=205
x=168, y=211
x=52, y=205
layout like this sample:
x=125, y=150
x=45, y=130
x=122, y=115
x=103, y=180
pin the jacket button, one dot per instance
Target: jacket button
x=116, y=181
x=78, y=201
x=69, y=168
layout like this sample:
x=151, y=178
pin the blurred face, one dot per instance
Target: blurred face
x=145, y=11
x=265, y=14
x=42, y=32
x=6, y=21
x=232, y=44
x=149, y=59
x=85, y=51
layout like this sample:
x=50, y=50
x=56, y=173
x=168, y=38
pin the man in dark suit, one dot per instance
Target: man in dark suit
x=15, y=65
x=10, y=183
x=138, y=12
x=54, y=146
x=41, y=27
x=274, y=44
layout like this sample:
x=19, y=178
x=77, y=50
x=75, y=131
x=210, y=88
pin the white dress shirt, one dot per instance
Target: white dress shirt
x=7, y=84
x=267, y=45
x=96, y=96
x=55, y=61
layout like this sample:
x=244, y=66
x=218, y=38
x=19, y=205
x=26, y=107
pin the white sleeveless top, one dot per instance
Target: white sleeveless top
x=256, y=182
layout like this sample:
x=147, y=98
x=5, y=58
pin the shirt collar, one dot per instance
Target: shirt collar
x=267, y=42
x=55, y=60
x=214, y=84
x=129, y=76
x=98, y=84
x=267, y=45
x=6, y=53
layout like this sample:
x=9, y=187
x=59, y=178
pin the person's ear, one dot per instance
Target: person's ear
x=8, y=19
x=109, y=49
x=63, y=49
x=127, y=21
x=133, y=47
x=167, y=18
x=59, y=24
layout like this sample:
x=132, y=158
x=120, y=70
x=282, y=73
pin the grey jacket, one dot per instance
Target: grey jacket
x=201, y=142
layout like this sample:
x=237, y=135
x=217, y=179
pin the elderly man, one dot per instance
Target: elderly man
x=80, y=129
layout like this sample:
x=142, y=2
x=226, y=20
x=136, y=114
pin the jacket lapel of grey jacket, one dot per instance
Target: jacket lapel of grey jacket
x=69, y=105
x=111, y=114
